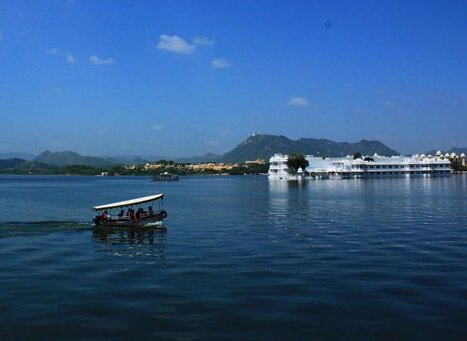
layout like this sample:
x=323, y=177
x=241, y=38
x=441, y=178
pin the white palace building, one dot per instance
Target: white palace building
x=368, y=167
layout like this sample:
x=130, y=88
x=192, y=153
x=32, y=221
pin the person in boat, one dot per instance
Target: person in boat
x=105, y=216
x=120, y=215
x=150, y=211
x=139, y=214
x=131, y=213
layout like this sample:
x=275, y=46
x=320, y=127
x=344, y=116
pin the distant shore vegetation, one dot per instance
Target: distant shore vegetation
x=149, y=169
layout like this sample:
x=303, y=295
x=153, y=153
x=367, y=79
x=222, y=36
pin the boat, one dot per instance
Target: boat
x=165, y=177
x=145, y=214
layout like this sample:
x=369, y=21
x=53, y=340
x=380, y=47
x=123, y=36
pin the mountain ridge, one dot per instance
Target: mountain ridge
x=66, y=158
x=17, y=155
x=263, y=146
x=10, y=163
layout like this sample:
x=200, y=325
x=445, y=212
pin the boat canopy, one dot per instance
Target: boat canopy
x=131, y=202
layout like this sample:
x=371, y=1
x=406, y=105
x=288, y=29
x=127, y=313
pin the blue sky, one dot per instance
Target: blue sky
x=182, y=78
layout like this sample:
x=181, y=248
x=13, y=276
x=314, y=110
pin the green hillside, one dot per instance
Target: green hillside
x=264, y=146
x=10, y=163
x=67, y=158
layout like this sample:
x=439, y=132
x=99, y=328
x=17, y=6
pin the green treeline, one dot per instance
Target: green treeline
x=38, y=168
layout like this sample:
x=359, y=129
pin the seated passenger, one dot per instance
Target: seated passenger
x=138, y=214
x=131, y=213
x=105, y=216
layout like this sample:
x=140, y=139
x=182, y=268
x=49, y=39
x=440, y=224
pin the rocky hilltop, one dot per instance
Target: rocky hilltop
x=263, y=146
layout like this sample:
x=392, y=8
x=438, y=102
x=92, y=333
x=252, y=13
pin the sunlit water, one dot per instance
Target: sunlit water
x=237, y=258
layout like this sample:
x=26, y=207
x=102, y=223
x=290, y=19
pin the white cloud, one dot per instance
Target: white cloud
x=156, y=127
x=220, y=63
x=300, y=102
x=174, y=44
x=53, y=52
x=202, y=41
x=97, y=61
x=69, y=58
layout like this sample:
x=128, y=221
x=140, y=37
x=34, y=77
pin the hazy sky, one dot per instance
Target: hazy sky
x=182, y=78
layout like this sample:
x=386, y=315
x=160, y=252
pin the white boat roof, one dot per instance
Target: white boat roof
x=131, y=202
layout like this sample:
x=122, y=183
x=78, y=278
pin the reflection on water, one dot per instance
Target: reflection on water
x=132, y=242
x=284, y=186
x=35, y=228
x=135, y=235
x=364, y=204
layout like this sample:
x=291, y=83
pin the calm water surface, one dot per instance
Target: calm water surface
x=239, y=258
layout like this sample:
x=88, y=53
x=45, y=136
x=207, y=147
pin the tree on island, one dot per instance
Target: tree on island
x=295, y=161
x=457, y=166
x=357, y=155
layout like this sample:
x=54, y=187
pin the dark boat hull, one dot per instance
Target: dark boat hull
x=165, y=177
x=146, y=221
x=158, y=178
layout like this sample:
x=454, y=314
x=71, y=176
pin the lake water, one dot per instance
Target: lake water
x=239, y=258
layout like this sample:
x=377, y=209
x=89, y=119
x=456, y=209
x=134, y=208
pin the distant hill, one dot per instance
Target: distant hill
x=458, y=150
x=24, y=156
x=209, y=157
x=34, y=167
x=67, y=158
x=10, y=163
x=129, y=159
x=264, y=146
x=20, y=166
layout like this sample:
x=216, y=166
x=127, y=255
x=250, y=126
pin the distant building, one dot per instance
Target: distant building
x=368, y=167
x=255, y=162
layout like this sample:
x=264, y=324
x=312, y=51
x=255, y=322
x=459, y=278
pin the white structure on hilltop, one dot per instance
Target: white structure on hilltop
x=375, y=166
